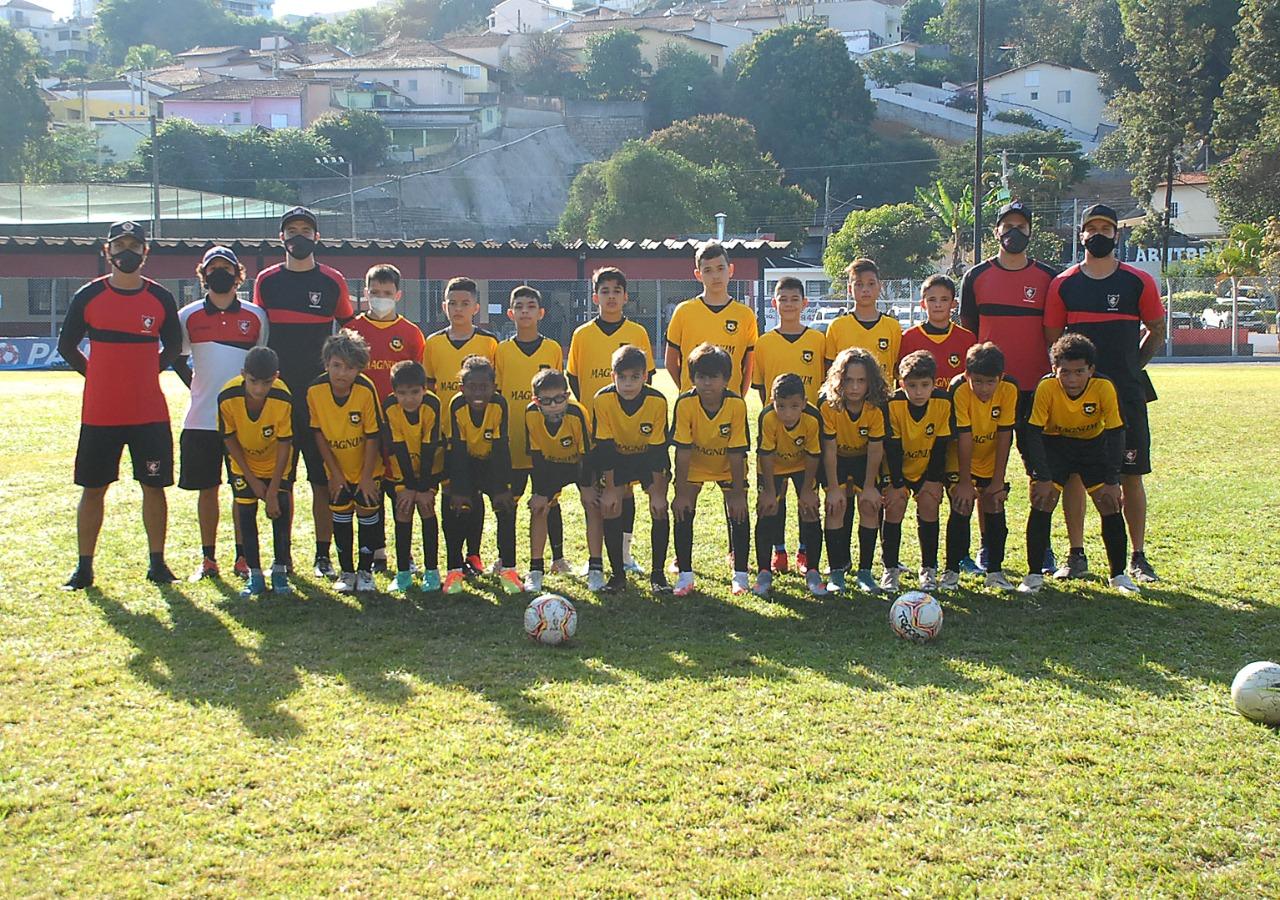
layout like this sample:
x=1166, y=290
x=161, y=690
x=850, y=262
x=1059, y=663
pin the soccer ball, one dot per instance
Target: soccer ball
x=1256, y=692
x=550, y=619
x=916, y=616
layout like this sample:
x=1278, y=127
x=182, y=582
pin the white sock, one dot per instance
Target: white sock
x=626, y=549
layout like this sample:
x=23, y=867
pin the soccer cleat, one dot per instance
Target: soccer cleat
x=595, y=580
x=998, y=581
x=453, y=580
x=323, y=567
x=1141, y=571
x=207, y=569
x=345, y=583
x=1076, y=566
x=764, y=584
x=160, y=573
x=891, y=580
x=241, y=567
x=431, y=580
x=1124, y=584
x=866, y=582
x=364, y=582
x=616, y=584
x=969, y=567
x=473, y=565
x=402, y=582
x=1050, y=562
x=511, y=581
x=816, y=583
x=684, y=585
x=533, y=581
x=380, y=561
x=256, y=586
x=1031, y=583
x=561, y=566
x=836, y=581
x=658, y=583
x=740, y=583
x=802, y=561
x=780, y=564
x=80, y=579
x=949, y=581
x=280, y=583
x=928, y=578
x=630, y=565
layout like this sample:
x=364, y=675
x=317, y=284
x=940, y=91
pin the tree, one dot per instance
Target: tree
x=1240, y=257
x=25, y=116
x=612, y=65
x=1247, y=185
x=73, y=69
x=1105, y=48
x=144, y=57
x=356, y=32
x=1042, y=165
x=954, y=216
x=123, y=24
x=67, y=154
x=545, y=67
x=356, y=135
x=1251, y=93
x=414, y=18
x=900, y=238
x=916, y=15
x=683, y=85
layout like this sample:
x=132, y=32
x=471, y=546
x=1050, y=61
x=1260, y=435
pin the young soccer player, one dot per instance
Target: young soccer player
x=854, y=425
x=1076, y=429
x=412, y=419
x=866, y=327
x=919, y=426
x=629, y=435
x=558, y=443
x=479, y=462
x=714, y=318
x=938, y=334
x=346, y=419
x=711, y=440
x=445, y=352
x=518, y=360
x=791, y=347
x=590, y=368
x=986, y=412
x=790, y=447
x=255, y=418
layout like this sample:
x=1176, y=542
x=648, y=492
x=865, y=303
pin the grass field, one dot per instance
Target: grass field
x=184, y=741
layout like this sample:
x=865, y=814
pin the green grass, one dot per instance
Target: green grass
x=184, y=741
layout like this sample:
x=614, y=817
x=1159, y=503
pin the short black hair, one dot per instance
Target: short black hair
x=408, y=373
x=984, y=359
x=525, y=290
x=860, y=265
x=608, y=273
x=788, y=384
x=708, y=359
x=348, y=346
x=461, y=283
x=476, y=366
x=261, y=362
x=384, y=272
x=1072, y=347
x=938, y=279
x=788, y=283
x=919, y=364
x=629, y=358
x=709, y=250
x=549, y=380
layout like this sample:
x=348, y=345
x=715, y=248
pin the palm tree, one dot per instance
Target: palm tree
x=1240, y=257
x=955, y=214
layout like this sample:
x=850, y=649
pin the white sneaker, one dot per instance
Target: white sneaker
x=684, y=585
x=595, y=580
x=740, y=584
x=561, y=567
x=949, y=581
x=764, y=584
x=345, y=583
x=364, y=582
x=816, y=583
x=1124, y=584
x=891, y=579
x=533, y=582
x=928, y=579
x=630, y=565
x=998, y=581
x=1031, y=583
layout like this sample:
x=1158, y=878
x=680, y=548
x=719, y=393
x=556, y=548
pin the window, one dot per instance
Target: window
x=715, y=61
x=1173, y=210
x=1064, y=96
x=395, y=82
x=1031, y=79
x=470, y=71
x=413, y=84
x=235, y=118
x=1035, y=95
x=279, y=120
x=449, y=86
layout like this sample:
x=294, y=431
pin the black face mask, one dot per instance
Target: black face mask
x=300, y=247
x=1099, y=245
x=127, y=261
x=1015, y=241
x=220, y=281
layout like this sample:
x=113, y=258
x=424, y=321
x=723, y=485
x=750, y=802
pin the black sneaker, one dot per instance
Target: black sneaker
x=324, y=567
x=1076, y=566
x=380, y=565
x=659, y=584
x=80, y=579
x=616, y=583
x=160, y=573
x=1140, y=570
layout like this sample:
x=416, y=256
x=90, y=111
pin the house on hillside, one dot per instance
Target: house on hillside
x=880, y=18
x=23, y=15
x=577, y=35
x=493, y=49
x=424, y=71
x=1194, y=212
x=1060, y=96
x=83, y=101
x=522, y=16
x=700, y=28
x=245, y=103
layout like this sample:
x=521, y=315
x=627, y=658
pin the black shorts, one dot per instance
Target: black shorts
x=240, y=487
x=520, y=482
x=1069, y=456
x=638, y=471
x=851, y=471
x=780, y=481
x=1026, y=399
x=1137, y=438
x=349, y=498
x=150, y=450
x=304, y=445
x=202, y=457
x=915, y=484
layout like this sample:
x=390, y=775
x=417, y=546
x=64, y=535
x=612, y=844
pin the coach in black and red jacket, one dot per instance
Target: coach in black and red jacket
x=133, y=331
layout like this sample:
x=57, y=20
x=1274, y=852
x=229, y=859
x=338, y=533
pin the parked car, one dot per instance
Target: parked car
x=1186, y=320
x=1255, y=294
x=1248, y=315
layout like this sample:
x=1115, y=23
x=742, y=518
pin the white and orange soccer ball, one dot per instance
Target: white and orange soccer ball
x=550, y=619
x=916, y=616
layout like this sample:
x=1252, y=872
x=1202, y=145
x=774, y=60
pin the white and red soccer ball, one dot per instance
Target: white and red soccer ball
x=550, y=619
x=916, y=616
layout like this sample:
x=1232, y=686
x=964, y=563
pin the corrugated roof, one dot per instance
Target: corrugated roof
x=464, y=41
x=25, y=4
x=399, y=55
x=243, y=89
x=272, y=245
x=210, y=51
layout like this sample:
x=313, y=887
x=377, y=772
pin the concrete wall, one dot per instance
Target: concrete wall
x=601, y=127
x=934, y=119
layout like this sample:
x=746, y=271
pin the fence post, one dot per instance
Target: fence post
x=1168, y=317
x=659, y=317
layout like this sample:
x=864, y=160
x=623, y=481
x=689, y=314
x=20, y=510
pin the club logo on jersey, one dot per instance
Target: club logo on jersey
x=806, y=355
x=724, y=429
x=1113, y=301
x=313, y=299
x=147, y=322
x=240, y=484
x=488, y=434
x=995, y=412
x=954, y=359
x=731, y=326
x=396, y=344
x=354, y=416
x=566, y=441
x=153, y=467
x=646, y=428
x=1090, y=408
x=884, y=343
x=244, y=326
x=928, y=429
x=864, y=431
x=268, y=431
x=1130, y=456
x=1029, y=293
x=800, y=441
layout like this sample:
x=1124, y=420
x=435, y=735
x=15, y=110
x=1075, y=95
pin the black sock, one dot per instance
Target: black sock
x=891, y=545
x=430, y=543
x=1116, y=540
x=684, y=543
x=207, y=550
x=281, y=539
x=381, y=539
x=404, y=545
x=555, y=531
x=595, y=564
x=661, y=537
x=629, y=513
x=506, y=538
x=928, y=534
x=837, y=549
x=994, y=536
x=811, y=543
x=344, y=537
x=157, y=559
x=1039, y=522
x=958, y=536
x=371, y=532
x=866, y=546
x=322, y=549
x=1077, y=551
x=454, y=525
x=248, y=515
x=740, y=541
x=475, y=526
x=765, y=530
x=85, y=564
x=537, y=564
x=239, y=549
x=780, y=530
x=613, y=543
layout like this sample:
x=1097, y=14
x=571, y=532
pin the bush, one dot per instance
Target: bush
x=1192, y=301
x=1020, y=117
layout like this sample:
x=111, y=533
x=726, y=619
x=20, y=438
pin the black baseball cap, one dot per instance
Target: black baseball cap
x=1012, y=207
x=127, y=227
x=219, y=252
x=299, y=212
x=1099, y=211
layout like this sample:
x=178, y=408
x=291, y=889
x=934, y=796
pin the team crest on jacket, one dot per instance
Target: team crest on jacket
x=731, y=326
x=928, y=429
x=244, y=326
x=397, y=344
x=488, y=434
x=1090, y=408
x=1113, y=301
x=884, y=343
x=995, y=412
x=864, y=431
x=268, y=430
x=1029, y=293
x=240, y=484
x=954, y=359
x=354, y=416
x=147, y=322
x=800, y=441
x=806, y=355
x=646, y=428
x=566, y=441
x=313, y=299
x=724, y=429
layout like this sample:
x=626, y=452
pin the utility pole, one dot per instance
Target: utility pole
x=826, y=215
x=981, y=97
x=1168, y=218
x=1004, y=169
x=329, y=162
x=155, y=181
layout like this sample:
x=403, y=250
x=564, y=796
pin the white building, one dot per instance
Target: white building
x=1194, y=212
x=23, y=15
x=1059, y=96
x=84, y=9
x=516, y=16
x=264, y=9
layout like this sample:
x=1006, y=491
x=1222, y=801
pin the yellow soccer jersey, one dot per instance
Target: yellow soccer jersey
x=412, y=437
x=634, y=426
x=1085, y=417
x=477, y=435
x=442, y=358
x=778, y=354
x=591, y=354
x=346, y=424
x=789, y=447
x=851, y=433
x=568, y=444
x=516, y=365
x=882, y=339
x=259, y=435
x=711, y=438
x=983, y=421
x=918, y=428
x=732, y=327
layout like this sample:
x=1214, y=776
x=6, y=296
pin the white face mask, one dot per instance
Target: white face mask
x=382, y=307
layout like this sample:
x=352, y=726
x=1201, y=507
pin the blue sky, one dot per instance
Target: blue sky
x=62, y=8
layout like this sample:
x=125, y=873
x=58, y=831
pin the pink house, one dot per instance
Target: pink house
x=281, y=103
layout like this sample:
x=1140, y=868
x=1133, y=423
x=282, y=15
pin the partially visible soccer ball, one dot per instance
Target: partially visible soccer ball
x=916, y=616
x=1256, y=692
x=550, y=619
